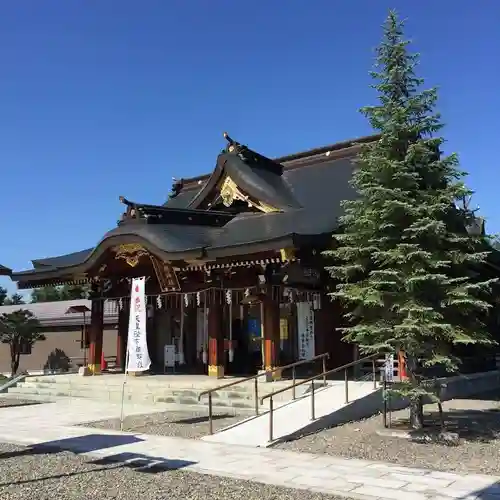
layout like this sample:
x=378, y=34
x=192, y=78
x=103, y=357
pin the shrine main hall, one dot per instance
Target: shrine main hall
x=235, y=279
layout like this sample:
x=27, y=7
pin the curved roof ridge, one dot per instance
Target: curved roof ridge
x=257, y=175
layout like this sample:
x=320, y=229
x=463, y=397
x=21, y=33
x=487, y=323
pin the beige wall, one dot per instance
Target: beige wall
x=67, y=339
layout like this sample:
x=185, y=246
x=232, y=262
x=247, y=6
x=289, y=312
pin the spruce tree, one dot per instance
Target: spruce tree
x=404, y=264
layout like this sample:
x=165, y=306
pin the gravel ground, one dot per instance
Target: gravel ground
x=477, y=422
x=192, y=425
x=33, y=474
x=5, y=402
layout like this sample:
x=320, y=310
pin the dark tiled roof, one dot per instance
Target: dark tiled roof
x=258, y=176
x=170, y=238
x=311, y=193
x=70, y=259
x=193, y=185
x=4, y=271
x=184, y=198
x=320, y=191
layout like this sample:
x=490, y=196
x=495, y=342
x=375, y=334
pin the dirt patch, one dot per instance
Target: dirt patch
x=177, y=424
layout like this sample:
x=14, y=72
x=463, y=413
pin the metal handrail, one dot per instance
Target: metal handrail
x=311, y=380
x=13, y=381
x=255, y=378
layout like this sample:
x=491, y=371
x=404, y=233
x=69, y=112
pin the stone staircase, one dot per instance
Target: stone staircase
x=182, y=390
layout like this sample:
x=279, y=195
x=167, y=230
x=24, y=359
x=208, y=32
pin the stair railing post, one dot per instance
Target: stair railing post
x=210, y=420
x=256, y=389
x=374, y=371
x=346, y=386
x=324, y=371
x=270, y=419
x=313, y=416
x=293, y=382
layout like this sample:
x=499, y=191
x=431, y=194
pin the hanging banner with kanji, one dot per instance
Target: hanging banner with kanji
x=305, y=324
x=138, y=355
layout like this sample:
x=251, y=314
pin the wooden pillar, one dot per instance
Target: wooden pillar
x=121, y=337
x=215, y=342
x=96, y=336
x=271, y=333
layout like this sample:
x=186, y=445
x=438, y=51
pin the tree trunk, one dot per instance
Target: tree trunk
x=14, y=365
x=14, y=361
x=441, y=416
x=417, y=413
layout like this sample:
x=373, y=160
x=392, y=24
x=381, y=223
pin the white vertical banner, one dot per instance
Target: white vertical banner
x=305, y=327
x=137, y=345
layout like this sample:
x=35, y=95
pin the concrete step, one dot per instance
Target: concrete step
x=190, y=393
x=142, y=397
x=243, y=391
x=44, y=398
x=178, y=391
x=169, y=390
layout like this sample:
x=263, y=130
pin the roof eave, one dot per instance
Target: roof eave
x=42, y=277
x=5, y=271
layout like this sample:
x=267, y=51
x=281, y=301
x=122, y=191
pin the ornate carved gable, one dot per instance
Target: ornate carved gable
x=245, y=180
x=229, y=192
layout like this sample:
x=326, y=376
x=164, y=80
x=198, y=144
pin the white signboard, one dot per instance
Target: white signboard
x=169, y=355
x=305, y=323
x=389, y=368
x=138, y=355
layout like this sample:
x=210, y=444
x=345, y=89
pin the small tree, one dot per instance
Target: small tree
x=3, y=295
x=14, y=300
x=20, y=329
x=405, y=265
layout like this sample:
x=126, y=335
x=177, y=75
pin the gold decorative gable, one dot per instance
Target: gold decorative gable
x=229, y=192
x=131, y=253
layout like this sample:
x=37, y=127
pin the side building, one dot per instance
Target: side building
x=233, y=262
x=66, y=343
x=5, y=271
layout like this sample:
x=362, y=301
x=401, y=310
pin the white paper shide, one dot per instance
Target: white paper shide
x=305, y=323
x=138, y=355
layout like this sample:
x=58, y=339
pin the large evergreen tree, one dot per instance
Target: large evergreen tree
x=405, y=264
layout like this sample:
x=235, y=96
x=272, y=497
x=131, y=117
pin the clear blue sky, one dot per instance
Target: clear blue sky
x=107, y=98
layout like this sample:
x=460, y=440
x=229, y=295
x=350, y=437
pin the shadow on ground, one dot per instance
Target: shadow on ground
x=491, y=492
x=484, y=396
x=91, y=444
x=465, y=424
x=14, y=404
x=201, y=419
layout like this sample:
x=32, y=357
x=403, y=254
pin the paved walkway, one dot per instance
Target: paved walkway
x=352, y=478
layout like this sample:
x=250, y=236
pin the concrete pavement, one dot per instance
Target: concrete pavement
x=52, y=426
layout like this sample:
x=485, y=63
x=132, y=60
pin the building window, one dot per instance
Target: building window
x=25, y=347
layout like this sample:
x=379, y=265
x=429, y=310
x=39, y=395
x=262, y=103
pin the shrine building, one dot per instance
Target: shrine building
x=233, y=263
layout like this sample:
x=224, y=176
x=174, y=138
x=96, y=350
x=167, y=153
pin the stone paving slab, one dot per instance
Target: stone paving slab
x=359, y=479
